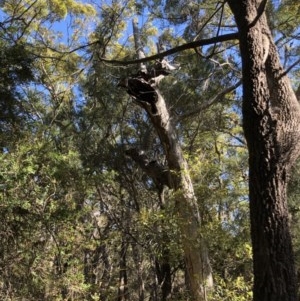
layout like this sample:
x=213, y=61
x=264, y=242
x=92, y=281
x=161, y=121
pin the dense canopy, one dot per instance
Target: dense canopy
x=134, y=135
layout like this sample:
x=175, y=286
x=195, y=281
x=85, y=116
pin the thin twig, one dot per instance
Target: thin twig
x=211, y=101
x=290, y=68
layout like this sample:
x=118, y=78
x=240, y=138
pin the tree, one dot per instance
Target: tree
x=144, y=88
x=15, y=72
x=293, y=197
x=271, y=115
x=86, y=203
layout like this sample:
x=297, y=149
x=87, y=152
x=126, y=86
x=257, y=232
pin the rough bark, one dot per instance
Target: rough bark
x=271, y=118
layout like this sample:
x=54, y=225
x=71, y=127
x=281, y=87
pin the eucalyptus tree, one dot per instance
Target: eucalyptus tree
x=271, y=126
x=271, y=115
x=90, y=224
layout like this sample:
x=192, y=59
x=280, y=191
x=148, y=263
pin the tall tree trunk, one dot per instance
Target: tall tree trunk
x=123, y=286
x=271, y=118
x=163, y=272
x=195, y=251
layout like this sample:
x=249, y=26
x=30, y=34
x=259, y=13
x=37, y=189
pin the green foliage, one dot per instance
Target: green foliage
x=71, y=202
x=232, y=289
x=53, y=9
x=15, y=73
x=293, y=198
x=287, y=16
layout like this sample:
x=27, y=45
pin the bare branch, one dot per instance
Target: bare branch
x=191, y=45
x=290, y=67
x=211, y=101
x=218, y=31
x=208, y=20
x=158, y=173
x=260, y=11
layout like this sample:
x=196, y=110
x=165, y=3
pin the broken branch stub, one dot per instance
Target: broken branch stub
x=142, y=86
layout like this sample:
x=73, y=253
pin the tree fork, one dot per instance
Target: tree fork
x=196, y=256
